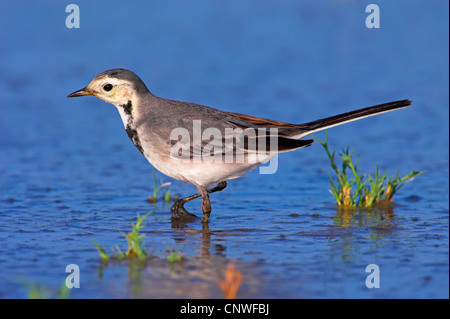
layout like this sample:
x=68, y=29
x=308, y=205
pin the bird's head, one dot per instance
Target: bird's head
x=116, y=86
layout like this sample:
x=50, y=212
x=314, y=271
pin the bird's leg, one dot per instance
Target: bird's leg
x=206, y=204
x=178, y=209
x=220, y=187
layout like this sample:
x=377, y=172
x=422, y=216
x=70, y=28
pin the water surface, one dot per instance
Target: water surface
x=68, y=173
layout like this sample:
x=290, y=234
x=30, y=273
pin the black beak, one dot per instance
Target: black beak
x=83, y=92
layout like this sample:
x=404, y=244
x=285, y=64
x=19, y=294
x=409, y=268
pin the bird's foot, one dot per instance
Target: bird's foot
x=180, y=213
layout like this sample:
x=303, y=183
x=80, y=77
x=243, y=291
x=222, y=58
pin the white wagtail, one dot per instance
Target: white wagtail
x=151, y=121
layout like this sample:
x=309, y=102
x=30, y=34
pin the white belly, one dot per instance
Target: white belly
x=202, y=174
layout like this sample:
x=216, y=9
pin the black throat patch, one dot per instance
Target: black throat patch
x=132, y=132
x=133, y=135
x=127, y=108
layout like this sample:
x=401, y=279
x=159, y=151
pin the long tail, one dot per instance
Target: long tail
x=328, y=122
x=305, y=129
x=297, y=131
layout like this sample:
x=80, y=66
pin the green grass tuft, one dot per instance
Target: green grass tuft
x=36, y=291
x=163, y=187
x=361, y=190
x=175, y=255
x=135, y=244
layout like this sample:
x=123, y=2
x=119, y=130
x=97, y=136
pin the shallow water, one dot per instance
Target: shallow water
x=69, y=173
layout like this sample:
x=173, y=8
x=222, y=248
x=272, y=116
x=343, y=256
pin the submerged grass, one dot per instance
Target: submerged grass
x=362, y=190
x=163, y=187
x=36, y=291
x=136, y=249
x=175, y=255
x=135, y=242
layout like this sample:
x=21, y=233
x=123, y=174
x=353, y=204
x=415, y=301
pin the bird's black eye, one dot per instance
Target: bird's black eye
x=107, y=87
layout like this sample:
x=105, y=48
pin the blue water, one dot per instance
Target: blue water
x=69, y=174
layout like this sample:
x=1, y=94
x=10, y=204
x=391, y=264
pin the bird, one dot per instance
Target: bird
x=189, y=142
